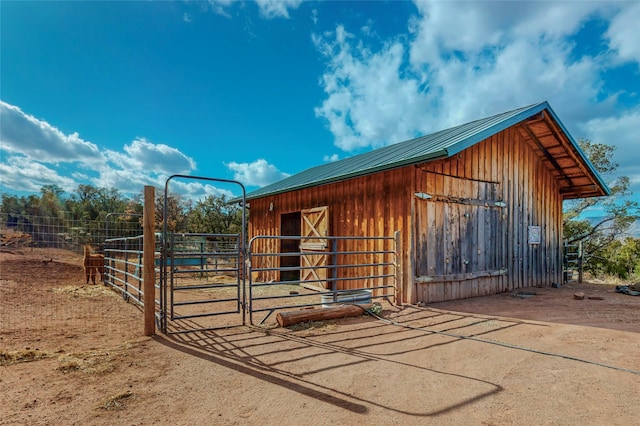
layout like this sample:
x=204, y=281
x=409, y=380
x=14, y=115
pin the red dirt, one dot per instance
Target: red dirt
x=90, y=363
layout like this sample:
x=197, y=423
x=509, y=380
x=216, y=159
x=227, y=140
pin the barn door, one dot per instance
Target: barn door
x=460, y=244
x=313, y=248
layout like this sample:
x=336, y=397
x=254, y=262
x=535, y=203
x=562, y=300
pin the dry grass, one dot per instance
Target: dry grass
x=313, y=325
x=117, y=402
x=607, y=279
x=26, y=355
x=85, y=291
x=88, y=363
x=92, y=362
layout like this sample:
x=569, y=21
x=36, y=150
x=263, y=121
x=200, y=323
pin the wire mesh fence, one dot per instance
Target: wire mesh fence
x=64, y=232
x=43, y=288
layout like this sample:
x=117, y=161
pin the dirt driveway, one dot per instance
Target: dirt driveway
x=73, y=354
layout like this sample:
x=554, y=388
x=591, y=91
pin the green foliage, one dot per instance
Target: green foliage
x=91, y=203
x=620, y=259
x=601, y=237
x=87, y=203
x=215, y=216
x=177, y=209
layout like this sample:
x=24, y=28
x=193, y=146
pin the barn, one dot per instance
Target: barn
x=477, y=207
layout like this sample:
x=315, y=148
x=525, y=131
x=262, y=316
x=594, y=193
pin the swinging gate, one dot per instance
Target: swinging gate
x=201, y=275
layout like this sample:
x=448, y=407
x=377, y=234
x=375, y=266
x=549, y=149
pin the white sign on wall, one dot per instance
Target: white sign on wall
x=534, y=235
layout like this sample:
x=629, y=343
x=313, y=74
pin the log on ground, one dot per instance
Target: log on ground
x=286, y=319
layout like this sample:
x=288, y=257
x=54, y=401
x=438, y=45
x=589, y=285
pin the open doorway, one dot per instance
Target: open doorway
x=290, y=225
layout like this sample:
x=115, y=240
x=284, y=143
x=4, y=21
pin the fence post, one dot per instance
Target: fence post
x=580, y=264
x=397, y=238
x=148, y=256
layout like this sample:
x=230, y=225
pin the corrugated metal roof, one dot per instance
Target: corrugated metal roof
x=441, y=144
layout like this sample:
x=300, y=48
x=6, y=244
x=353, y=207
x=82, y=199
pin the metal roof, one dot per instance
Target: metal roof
x=441, y=144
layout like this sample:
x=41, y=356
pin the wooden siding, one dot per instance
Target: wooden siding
x=453, y=246
x=470, y=245
x=374, y=205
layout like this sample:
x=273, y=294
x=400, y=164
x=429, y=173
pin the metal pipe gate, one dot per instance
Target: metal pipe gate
x=351, y=270
x=201, y=275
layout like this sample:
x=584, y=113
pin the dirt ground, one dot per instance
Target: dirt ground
x=74, y=354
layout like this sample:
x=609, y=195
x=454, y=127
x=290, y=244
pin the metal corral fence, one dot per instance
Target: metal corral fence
x=201, y=276
x=204, y=276
x=349, y=270
x=64, y=232
x=124, y=267
x=572, y=262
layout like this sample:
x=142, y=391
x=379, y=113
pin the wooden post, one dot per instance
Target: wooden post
x=148, y=262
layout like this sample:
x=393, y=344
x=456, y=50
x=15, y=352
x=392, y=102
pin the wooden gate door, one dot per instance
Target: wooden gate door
x=313, y=248
x=461, y=244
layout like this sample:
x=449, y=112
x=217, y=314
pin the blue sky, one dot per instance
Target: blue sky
x=124, y=94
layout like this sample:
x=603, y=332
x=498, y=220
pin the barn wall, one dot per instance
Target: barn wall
x=375, y=205
x=438, y=236
x=466, y=249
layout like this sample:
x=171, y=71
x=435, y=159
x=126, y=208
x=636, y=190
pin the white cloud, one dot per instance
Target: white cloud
x=159, y=158
x=277, y=8
x=23, y=174
x=30, y=146
x=22, y=133
x=621, y=132
x=220, y=7
x=331, y=158
x=623, y=33
x=515, y=77
x=127, y=180
x=258, y=173
x=269, y=9
x=460, y=62
x=471, y=27
x=369, y=102
x=196, y=189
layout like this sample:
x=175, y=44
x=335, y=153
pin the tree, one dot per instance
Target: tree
x=618, y=212
x=51, y=201
x=91, y=203
x=12, y=204
x=177, y=209
x=620, y=258
x=215, y=216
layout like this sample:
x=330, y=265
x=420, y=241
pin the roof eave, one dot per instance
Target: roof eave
x=605, y=188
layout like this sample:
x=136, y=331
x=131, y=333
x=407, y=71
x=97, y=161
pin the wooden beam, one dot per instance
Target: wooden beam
x=580, y=189
x=572, y=152
x=458, y=200
x=546, y=153
x=286, y=319
x=459, y=277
